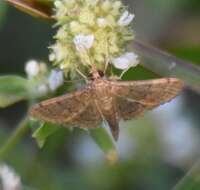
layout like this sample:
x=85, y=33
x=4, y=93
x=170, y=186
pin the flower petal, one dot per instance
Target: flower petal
x=56, y=79
x=125, y=61
x=10, y=180
x=32, y=68
x=102, y=22
x=126, y=19
x=82, y=41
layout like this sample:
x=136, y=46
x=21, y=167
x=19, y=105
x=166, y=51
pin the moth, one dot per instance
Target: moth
x=107, y=100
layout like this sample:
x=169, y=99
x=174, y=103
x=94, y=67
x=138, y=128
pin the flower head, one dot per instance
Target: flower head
x=42, y=79
x=90, y=32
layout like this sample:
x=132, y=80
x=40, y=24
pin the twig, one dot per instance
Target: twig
x=167, y=65
x=191, y=180
x=15, y=137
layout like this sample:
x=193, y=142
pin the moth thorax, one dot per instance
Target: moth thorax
x=103, y=95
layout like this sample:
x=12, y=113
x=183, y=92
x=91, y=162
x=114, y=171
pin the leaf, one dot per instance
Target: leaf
x=43, y=132
x=105, y=143
x=13, y=89
x=33, y=7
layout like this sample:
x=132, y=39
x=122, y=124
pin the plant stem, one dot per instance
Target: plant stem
x=105, y=143
x=167, y=65
x=191, y=181
x=15, y=137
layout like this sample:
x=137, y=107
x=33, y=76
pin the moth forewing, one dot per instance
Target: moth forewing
x=62, y=109
x=136, y=97
x=148, y=92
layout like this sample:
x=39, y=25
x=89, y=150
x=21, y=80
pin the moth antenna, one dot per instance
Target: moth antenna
x=106, y=66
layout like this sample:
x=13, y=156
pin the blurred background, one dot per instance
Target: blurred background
x=155, y=151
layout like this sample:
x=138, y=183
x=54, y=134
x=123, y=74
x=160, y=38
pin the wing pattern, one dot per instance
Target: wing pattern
x=135, y=97
x=75, y=108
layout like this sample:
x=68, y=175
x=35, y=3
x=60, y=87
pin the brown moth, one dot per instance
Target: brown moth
x=107, y=100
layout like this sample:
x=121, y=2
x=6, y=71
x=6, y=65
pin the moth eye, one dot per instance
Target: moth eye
x=99, y=72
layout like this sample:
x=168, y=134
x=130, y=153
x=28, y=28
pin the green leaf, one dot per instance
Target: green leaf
x=105, y=143
x=34, y=7
x=13, y=89
x=43, y=132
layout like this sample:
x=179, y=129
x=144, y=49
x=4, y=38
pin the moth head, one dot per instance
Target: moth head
x=96, y=74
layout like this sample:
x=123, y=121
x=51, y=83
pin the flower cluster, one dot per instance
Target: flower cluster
x=43, y=80
x=91, y=33
x=9, y=179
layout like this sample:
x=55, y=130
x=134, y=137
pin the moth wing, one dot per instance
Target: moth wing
x=76, y=109
x=89, y=118
x=135, y=97
x=129, y=109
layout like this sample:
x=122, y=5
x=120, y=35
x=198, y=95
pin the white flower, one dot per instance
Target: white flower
x=83, y=42
x=126, y=61
x=61, y=9
x=102, y=22
x=32, y=68
x=61, y=34
x=57, y=4
x=63, y=66
x=126, y=19
x=42, y=89
x=9, y=179
x=58, y=53
x=55, y=80
x=52, y=57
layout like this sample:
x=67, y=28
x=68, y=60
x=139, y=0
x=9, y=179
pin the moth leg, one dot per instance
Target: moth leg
x=106, y=66
x=123, y=72
x=82, y=75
